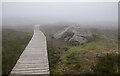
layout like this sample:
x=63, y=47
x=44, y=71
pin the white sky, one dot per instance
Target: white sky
x=60, y=0
x=73, y=11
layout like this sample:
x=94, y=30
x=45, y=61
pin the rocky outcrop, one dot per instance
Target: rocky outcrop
x=74, y=33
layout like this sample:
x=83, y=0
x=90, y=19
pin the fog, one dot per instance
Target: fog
x=87, y=13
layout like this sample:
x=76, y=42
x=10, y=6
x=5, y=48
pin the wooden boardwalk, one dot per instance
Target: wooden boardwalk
x=34, y=60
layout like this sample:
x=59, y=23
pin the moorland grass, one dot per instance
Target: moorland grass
x=13, y=44
x=80, y=59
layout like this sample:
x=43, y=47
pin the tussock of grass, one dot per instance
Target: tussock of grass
x=106, y=64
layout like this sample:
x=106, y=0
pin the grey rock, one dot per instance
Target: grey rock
x=74, y=33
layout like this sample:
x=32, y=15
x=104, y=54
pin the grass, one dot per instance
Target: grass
x=13, y=44
x=50, y=30
x=106, y=64
x=65, y=58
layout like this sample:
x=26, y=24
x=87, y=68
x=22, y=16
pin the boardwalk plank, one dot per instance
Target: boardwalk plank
x=34, y=59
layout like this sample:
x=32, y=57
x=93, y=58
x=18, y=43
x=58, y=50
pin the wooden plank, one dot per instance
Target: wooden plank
x=34, y=59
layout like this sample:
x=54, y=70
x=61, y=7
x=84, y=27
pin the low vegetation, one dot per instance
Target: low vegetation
x=13, y=44
x=98, y=56
x=106, y=64
x=50, y=29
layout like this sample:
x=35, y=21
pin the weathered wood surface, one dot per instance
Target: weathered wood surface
x=34, y=59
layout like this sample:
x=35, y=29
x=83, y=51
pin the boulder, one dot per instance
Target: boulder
x=74, y=34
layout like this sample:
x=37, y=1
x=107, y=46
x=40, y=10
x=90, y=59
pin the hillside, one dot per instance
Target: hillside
x=97, y=56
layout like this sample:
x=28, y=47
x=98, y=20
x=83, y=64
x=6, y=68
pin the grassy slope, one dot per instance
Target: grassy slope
x=50, y=30
x=66, y=59
x=13, y=44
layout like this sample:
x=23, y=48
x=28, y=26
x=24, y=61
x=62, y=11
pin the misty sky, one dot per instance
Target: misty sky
x=55, y=12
